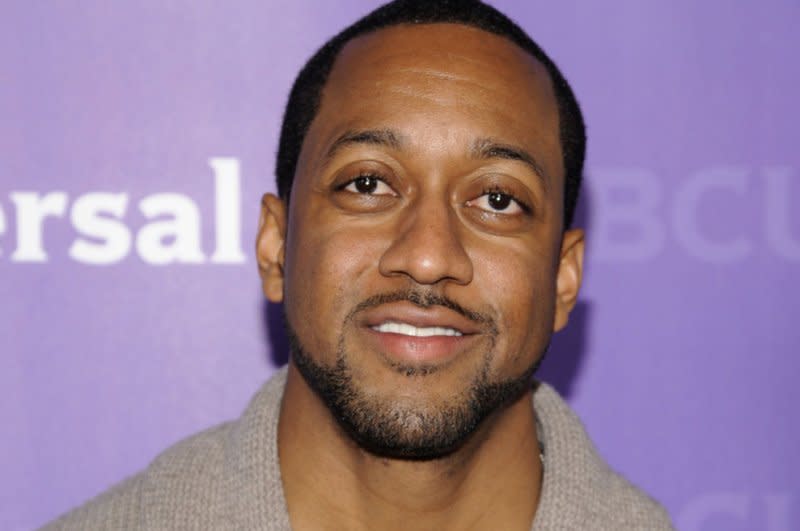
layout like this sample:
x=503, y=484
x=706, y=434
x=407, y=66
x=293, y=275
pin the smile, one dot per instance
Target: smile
x=414, y=331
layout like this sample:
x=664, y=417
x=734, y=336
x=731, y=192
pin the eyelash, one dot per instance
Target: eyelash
x=499, y=190
x=362, y=175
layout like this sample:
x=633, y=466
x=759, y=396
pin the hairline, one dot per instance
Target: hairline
x=321, y=64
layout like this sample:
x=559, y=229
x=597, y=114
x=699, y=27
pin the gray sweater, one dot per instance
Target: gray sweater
x=228, y=477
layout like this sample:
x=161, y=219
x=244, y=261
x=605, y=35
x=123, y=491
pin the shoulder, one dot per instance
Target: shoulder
x=116, y=508
x=182, y=488
x=225, y=477
x=625, y=506
x=580, y=490
x=187, y=470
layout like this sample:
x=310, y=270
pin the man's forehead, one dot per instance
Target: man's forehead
x=439, y=73
x=457, y=44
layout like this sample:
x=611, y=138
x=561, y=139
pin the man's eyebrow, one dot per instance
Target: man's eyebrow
x=376, y=137
x=487, y=148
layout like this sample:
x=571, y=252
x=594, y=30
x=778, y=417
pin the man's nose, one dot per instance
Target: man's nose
x=428, y=246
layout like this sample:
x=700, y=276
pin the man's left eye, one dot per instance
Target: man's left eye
x=368, y=184
x=498, y=202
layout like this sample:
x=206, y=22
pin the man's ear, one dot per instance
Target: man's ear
x=569, y=276
x=270, y=246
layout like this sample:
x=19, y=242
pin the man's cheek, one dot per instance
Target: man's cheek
x=308, y=294
x=526, y=310
x=326, y=267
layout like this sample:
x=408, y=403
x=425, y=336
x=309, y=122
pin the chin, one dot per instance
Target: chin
x=408, y=428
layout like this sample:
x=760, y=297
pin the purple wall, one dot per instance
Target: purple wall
x=681, y=359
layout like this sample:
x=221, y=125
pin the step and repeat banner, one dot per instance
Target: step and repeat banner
x=136, y=139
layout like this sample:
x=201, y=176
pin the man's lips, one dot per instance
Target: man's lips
x=406, y=329
x=410, y=319
x=410, y=335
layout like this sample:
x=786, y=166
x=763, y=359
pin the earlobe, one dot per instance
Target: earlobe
x=569, y=276
x=270, y=246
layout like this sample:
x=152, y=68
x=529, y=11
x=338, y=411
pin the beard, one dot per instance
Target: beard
x=390, y=428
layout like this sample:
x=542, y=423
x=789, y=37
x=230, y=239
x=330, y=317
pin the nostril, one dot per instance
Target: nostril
x=428, y=254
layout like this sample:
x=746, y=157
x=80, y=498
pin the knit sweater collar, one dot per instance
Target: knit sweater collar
x=574, y=490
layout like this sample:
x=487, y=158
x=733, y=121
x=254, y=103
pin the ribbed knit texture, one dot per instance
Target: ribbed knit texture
x=228, y=477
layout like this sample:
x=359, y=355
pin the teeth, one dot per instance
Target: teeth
x=409, y=330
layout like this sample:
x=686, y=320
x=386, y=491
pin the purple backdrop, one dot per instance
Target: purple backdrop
x=137, y=138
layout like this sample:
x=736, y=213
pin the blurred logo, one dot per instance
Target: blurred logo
x=719, y=215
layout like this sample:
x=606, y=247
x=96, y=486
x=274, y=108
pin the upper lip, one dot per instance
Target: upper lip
x=410, y=313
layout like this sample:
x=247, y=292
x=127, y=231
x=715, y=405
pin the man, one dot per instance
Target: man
x=428, y=171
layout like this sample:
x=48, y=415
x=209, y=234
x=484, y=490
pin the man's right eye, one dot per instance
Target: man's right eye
x=368, y=184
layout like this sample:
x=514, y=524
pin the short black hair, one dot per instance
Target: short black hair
x=306, y=94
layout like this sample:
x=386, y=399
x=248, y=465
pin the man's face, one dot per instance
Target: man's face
x=425, y=235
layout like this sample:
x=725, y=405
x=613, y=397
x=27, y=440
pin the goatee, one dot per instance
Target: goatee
x=393, y=429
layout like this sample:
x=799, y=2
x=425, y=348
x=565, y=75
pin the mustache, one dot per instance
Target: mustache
x=425, y=299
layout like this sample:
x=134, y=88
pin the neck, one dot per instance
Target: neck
x=491, y=482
